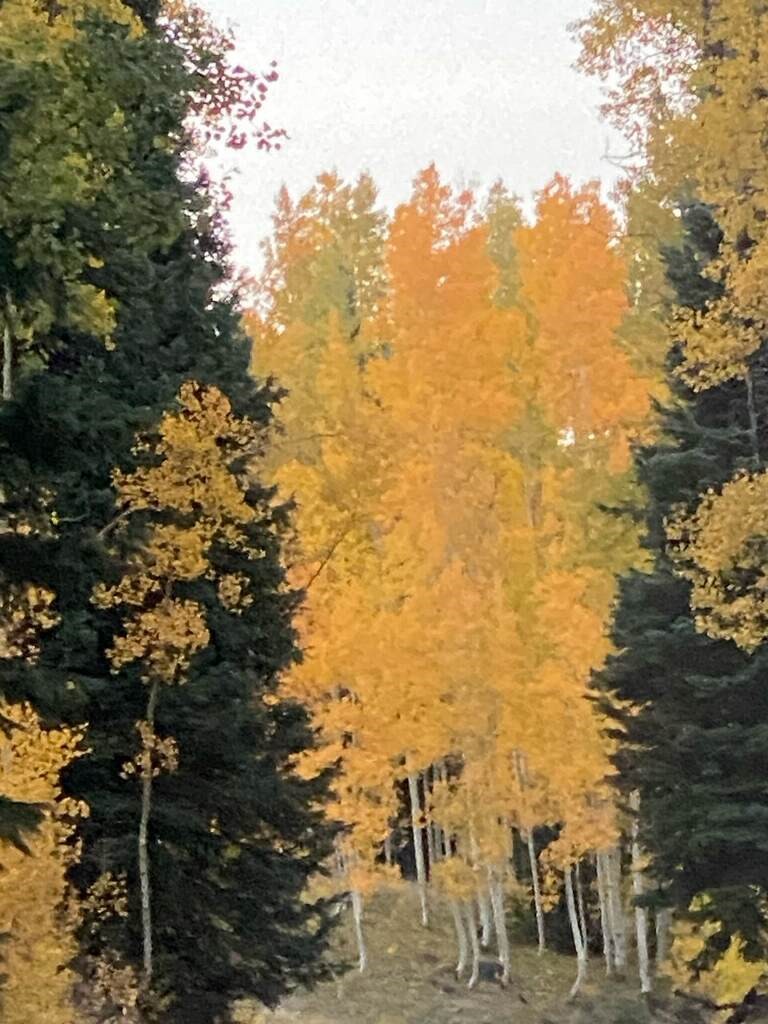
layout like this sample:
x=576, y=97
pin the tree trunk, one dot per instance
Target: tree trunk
x=486, y=922
x=469, y=913
x=641, y=914
x=418, y=849
x=437, y=832
x=388, y=850
x=461, y=937
x=357, y=916
x=430, y=830
x=146, y=807
x=753, y=427
x=438, y=842
x=605, y=916
x=578, y=939
x=442, y=774
x=580, y=904
x=616, y=908
x=536, y=892
x=7, y=363
x=500, y=924
x=663, y=918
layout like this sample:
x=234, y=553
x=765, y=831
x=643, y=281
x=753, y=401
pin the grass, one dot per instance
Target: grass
x=411, y=980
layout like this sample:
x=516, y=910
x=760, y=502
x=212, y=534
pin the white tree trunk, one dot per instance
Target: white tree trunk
x=418, y=849
x=143, y=849
x=500, y=924
x=461, y=937
x=7, y=364
x=616, y=907
x=578, y=939
x=430, y=830
x=388, y=850
x=605, y=915
x=357, y=916
x=536, y=892
x=486, y=922
x=638, y=888
x=469, y=914
x=580, y=904
x=663, y=921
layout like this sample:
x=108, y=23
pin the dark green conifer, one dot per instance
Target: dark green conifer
x=697, y=746
x=233, y=835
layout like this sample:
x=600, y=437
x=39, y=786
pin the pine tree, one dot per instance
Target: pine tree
x=234, y=834
x=692, y=732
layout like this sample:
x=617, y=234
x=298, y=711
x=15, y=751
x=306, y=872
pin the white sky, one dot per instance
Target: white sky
x=485, y=88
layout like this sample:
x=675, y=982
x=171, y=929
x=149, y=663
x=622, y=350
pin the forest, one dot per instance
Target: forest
x=425, y=569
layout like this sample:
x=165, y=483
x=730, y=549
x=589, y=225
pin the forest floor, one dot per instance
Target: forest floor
x=411, y=980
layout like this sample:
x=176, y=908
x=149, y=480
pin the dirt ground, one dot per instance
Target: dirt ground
x=410, y=980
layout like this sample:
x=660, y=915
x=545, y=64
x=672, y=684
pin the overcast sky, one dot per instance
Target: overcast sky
x=485, y=88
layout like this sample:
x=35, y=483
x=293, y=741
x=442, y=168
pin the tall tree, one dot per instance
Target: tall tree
x=691, y=94
x=234, y=833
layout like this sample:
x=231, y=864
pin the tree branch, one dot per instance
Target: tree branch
x=326, y=559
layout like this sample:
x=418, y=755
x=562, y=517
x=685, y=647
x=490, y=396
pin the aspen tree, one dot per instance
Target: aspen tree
x=189, y=498
x=39, y=913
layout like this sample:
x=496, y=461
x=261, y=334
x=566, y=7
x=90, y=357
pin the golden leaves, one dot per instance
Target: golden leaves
x=715, y=344
x=729, y=979
x=158, y=754
x=721, y=549
x=232, y=589
x=191, y=489
x=36, y=908
x=26, y=610
x=708, y=139
x=457, y=598
x=164, y=638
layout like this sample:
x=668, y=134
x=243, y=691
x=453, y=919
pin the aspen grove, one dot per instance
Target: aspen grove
x=457, y=427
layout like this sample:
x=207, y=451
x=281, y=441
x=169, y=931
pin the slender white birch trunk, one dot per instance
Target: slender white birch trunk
x=418, y=849
x=357, y=916
x=143, y=848
x=638, y=888
x=578, y=939
x=662, y=922
x=616, y=907
x=469, y=914
x=536, y=892
x=7, y=360
x=580, y=904
x=483, y=902
x=605, y=916
x=388, y=850
x=461, y=937
x=7, y=363
x=500, y=924
x=430, y=830
x=486, y=922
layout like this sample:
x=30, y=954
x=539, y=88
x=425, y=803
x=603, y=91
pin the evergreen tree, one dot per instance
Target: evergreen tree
x=695, y=732
x=233, y=834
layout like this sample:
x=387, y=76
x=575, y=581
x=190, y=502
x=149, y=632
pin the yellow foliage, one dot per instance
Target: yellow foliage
x=191, y=474
x=719, y=548
x=37, y=909
x=447, y=457
x=25, y=610
x=731, y=977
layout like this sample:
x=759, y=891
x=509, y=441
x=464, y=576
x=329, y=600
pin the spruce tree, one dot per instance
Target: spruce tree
x=695, y=740
x=234, y=835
